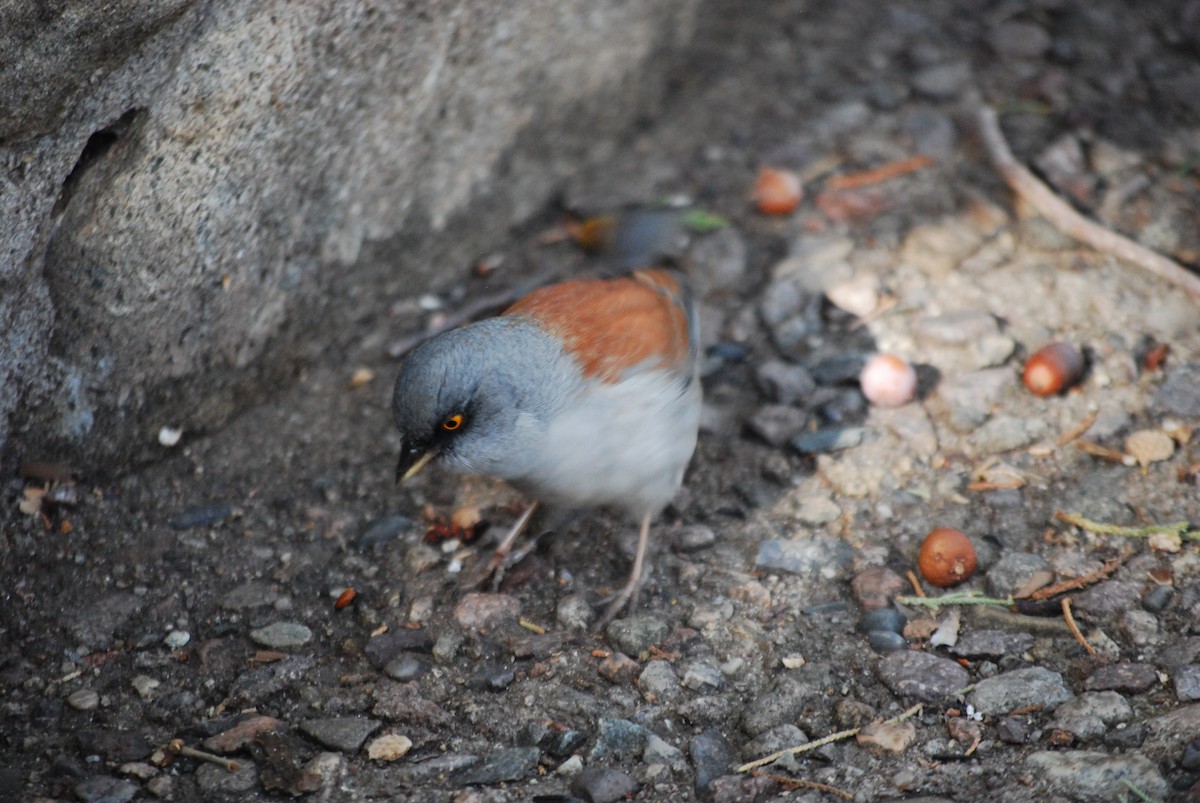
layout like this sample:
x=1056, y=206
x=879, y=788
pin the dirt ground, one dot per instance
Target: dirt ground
x=198, y=599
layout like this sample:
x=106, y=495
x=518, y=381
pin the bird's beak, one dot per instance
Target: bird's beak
x=412, y=460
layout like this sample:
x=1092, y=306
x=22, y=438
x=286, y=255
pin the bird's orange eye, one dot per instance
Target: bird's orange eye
x=453, y=422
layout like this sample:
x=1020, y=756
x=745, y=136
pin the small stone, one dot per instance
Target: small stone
x=885, y=641
x=218, y=783
x=139, y=769
x=1179, y=394
x=346, y=734
x=825, y=441
x=992, y=644
x=775, y=424
x=618, y=738
x=1124, y=677
x=83, y=699
x=1187, y=683
x=405, y=667
x=921, y=676
x=781, y=737
x=241, y=734
x=281, y=635
x=573, y=612
x=104, y=789
x=1092, y=714
x=1017, y=689
x=572, y=766
x=1013, y=572
x=942, y=81
x=1108, y=599
x=386, y=647
x=1140, y=627
x=599, y=785
x=507, y=764
x=658, y=681
x=1168, y=734
x=712, y=756
x=1004, y=433
x=784, y=382
x=858, y=296
x=1094, y=776
x=162, y=787
x=882, y=738
x=659, y=751
x=389, y=747
x=618, y=668
x=634, y=635
x=1012, y=730
x=478, y=611
x=702, y=676
x=816, y=556
x=177, y=639
x=1126, y=736
x=779, y=704
x=145, y=686
x=1190, y=760
x=886, y=619
x=875, y=588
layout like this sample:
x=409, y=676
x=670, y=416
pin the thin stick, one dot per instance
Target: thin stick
x=1064, y=218
x=1082, y=581
x=789, y=784
x=916, y=584
x=879, y=174
x=1179, y=528
x=177, y=746
x=1074, y=628
x=833, y=737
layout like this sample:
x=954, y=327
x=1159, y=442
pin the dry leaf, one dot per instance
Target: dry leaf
x=1149, y=446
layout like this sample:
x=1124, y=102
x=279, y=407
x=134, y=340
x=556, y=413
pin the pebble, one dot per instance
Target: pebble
x=1126, y=736
x=92, y=627
x=618, y=668
x=1005, y=433
x=506, y=764
x=346, y=734
x=1168, y=734
x=492, y=678
x=83, y=699
x=1156, y=599
x=658, y=681
x=241, y=734
x=479, y=611
x=815, y=556
x=876, y=587
x=1014, y=572
x=177, y=639
x=386, y=647
x=103, y=789
x=712, y=756
x=709, y=710
x=885, y=641
x=573, y=612
x=571, y=767
x=447, y=645
x=659, y=751
x=1095, y=776
x=389, y=747
x=784, y=382
x=618, y=738
x=139, y=769
x=1012, y=730
x=992, y=644
x=281, y=635
x=1130, y=678
x=1108, y=599
x=1190, y=760
x=253, y=594
x=701, y=676
x=1092, y=714
x=252, y=686
x=942, y=81
x=1187, y=683
x=162, y=787
x=405, y=667
x=921, y=676
x=781, y=703
x=1179, y=394
x=775, y=424
x=600, y=785
x=883, y=738
x=217, y=782
x=634, y=635
x=1017, y=689
x=145, y=686
x=885, y=619
x=694, y=537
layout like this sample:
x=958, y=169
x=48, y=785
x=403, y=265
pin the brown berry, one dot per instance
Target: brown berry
x=777, y=192
x=1053, y=368
x=947, y=557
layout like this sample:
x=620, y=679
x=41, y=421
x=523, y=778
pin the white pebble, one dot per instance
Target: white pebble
x=888, y=381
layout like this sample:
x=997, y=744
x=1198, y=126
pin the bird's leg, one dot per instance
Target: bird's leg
x=628, y=596
x=500, y=558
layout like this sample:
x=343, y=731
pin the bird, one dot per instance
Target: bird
x=581, y=394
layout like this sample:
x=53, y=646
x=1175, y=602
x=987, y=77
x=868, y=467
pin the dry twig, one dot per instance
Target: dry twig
x=177, y=746
x=879, y=174
x=788, y=784
x=1083, y=581
x=833, y=737
x=916, y=584
x=1064, y=217
x=1067, y=615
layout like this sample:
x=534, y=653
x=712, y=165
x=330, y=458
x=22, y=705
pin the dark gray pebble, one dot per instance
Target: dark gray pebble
x=492, y=678
x=1190, y=760
x=921, y=676
x=1187, y=683
x=1012, y=730
x=842, y=406
x=1157, y=598
x=381, y=650
x=1129, y=737
x=105, y=790
x=885, y=641
x=838, y=369
x=774, y=424
x=620, y=738
x=508, y=764
x=341, y=733
x=203, y=516
x=712, y=756
x=1124, y=677
x=256, y=684
x=887, y=619
x=599, y=785
x=636, y=634
x=992, y=644
x=828, y=440
x=784, y=382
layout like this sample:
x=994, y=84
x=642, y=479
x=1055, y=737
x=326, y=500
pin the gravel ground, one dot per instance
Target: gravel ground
x=199, y=599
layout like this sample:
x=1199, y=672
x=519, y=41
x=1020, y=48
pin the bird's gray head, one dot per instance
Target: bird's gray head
x=477, y=396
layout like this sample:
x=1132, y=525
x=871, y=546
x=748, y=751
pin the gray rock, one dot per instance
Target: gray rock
x=620, y=738
x=992, y=644
x=658, y=681
x=828, y=440
x=1179, y=394
x=405, y=667
x=659, y=751
x=1108, y=599
x=780, y=704
x=1092, y=776
x=508, y=764
x=384, y=648
x=921, y=676
x=1004, y=433
x=712, y=756
x=173, y=192
x=94, y=625
x=104, y=789
x=282, y=635
x=257, y=684
x=634, y=635
x=1168, y=734
x=1124, y=677
x=217, y=782
x=1107, y=706
x=885, y=641
x=254, y=594
x=701, y=676
x=775, y=424
x=784, y=382
x=709, y=710
x=817, y=556
x=346, y=734
x=693, y=538
x=1017, y=689
x=600, y=785
x=1014, y=571
x=1187, y=683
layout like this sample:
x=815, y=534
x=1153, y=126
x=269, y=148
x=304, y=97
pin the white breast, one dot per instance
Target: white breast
x=624, y=444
